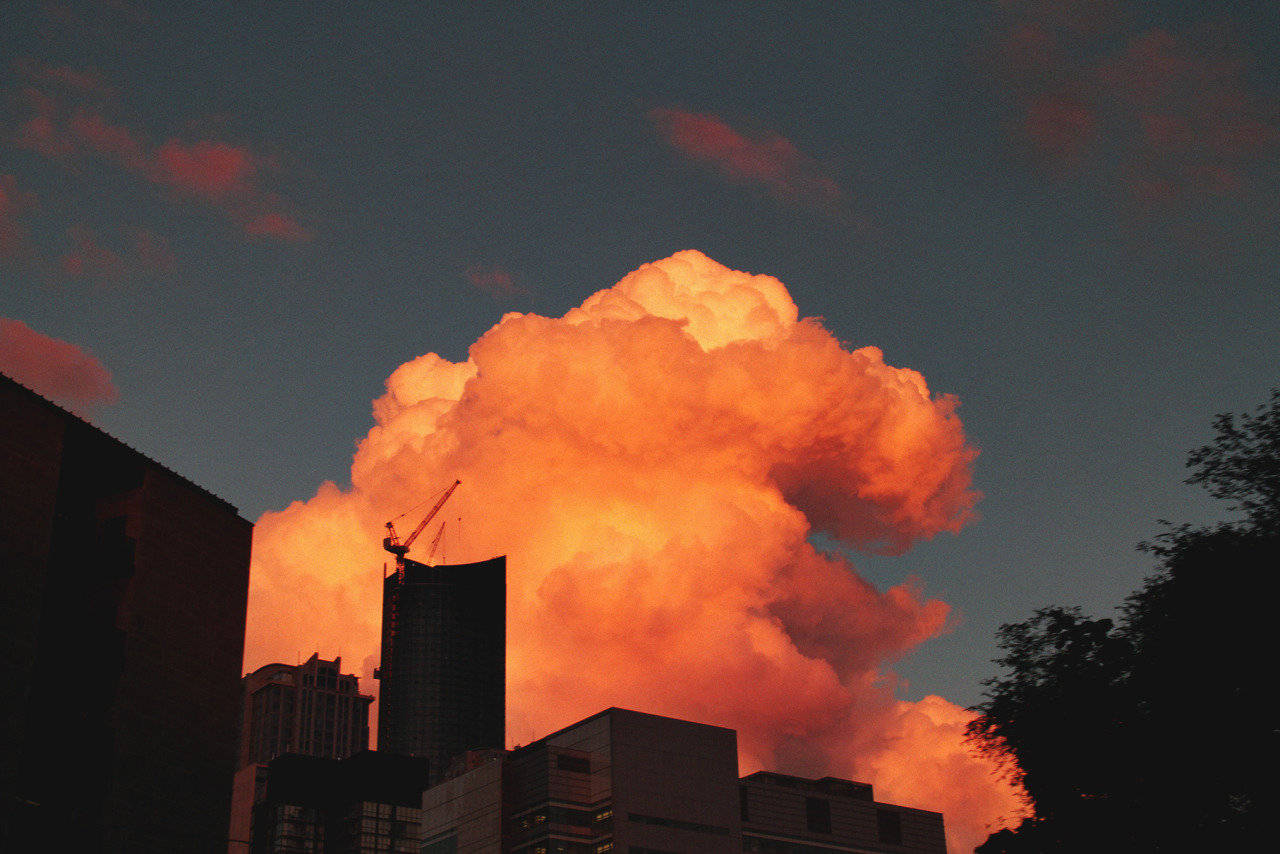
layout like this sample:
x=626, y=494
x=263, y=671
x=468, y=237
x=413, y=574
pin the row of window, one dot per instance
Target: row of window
x=575, y=764
x=374, y=809
x=563, y=846
x=817, y=813
x=677, y=823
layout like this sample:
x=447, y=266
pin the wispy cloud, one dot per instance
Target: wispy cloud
x=1173, y=113
x=70, y=116
x=496, y=281
x=276, y=225
x=135, y=253
x=765, y=159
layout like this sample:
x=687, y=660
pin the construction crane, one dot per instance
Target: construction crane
x=392, y=542
x=435, y=544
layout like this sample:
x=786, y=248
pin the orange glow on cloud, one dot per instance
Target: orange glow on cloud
x=653, y=464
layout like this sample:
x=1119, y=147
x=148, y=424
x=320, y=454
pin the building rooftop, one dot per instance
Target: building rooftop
x=44, y=401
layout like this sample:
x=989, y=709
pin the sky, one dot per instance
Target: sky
x=224, y=226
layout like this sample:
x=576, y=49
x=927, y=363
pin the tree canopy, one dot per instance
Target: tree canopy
x=1151, y=732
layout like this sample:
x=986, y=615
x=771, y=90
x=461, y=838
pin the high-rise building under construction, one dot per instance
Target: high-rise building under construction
x=443, y=669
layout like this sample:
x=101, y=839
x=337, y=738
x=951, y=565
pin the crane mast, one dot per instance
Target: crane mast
x=391, y=542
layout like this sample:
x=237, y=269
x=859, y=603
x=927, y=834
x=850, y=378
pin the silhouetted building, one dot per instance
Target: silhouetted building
x=623, y=781
x=617, y=781
x=311, y=709
x=368, y=803
x=782, y=814
x=443, y=669
x=122, y=614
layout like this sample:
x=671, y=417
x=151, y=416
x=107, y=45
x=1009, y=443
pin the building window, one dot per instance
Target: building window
x=576, y=764
x=818, y=814
x=889, y=824
x=448, y=845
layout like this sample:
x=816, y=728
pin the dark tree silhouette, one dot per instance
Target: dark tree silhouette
x=1152, y=733
x=1243, y=465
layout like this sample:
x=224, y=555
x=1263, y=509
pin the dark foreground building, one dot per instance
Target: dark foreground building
x=443, y=669
x=631, y=783
x=122, y=612
x=368, y=803
x=310, y=709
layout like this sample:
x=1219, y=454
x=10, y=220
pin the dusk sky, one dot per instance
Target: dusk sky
x=1061, y=212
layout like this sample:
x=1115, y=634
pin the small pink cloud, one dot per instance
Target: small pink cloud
x=495, y=281
x=209, y=169
x=1060, y=127
x=56, y=369
x=109, y=140
x=89, y=259
x=276, y=225
x=42, y=130
x=765, y=159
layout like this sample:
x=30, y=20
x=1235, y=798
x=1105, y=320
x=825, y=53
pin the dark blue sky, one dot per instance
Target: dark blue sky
x=1064, y=213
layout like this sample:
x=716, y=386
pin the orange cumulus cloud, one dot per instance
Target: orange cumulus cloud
x=59, y=370
x=653, y=465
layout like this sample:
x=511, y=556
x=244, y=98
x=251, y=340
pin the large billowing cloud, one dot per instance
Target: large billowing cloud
x=56, y=369
x=653, y=464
